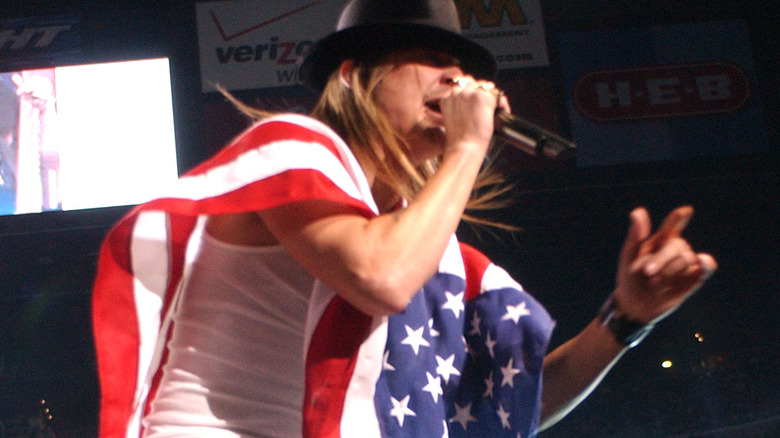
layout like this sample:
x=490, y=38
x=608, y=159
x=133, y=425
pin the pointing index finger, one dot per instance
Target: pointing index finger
x=672, y=226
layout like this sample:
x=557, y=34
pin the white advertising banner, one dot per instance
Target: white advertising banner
x=248, y=44
x=251, y=44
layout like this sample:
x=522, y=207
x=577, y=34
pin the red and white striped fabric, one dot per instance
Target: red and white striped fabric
x=144, y=257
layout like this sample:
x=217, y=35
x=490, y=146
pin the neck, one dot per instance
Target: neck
x=385, y=197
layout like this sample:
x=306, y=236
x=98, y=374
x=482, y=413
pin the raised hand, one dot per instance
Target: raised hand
x=658, y=272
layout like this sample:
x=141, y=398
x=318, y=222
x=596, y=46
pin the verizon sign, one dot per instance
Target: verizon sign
x=259, y=43
x=249, y=44
x=661, y=91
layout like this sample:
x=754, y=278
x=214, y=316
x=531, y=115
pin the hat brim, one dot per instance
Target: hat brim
x=362, y=42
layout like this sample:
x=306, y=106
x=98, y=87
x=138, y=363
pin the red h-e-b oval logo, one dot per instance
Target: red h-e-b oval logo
x=661, y=91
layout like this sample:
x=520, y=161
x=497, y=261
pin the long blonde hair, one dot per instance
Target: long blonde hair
x=354, y=114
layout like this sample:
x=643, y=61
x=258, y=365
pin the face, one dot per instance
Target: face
x=409, y=95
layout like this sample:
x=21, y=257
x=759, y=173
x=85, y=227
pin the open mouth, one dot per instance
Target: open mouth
x=434, y=106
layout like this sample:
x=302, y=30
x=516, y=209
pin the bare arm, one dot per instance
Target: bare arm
x=377, y=264
x=656, y=274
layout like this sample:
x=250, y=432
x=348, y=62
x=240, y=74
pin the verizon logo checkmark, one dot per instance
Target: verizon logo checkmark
x=227, y=37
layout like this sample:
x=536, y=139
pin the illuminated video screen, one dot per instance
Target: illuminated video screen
x=85, y=136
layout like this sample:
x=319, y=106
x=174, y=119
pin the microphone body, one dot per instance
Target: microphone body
x=531, y=138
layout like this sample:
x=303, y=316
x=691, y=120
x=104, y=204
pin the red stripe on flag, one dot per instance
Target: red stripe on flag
x=475, y=264
x=116, y=333
x=330, y=362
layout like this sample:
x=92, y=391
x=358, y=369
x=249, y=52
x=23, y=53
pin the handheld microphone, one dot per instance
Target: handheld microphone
x=530, y=138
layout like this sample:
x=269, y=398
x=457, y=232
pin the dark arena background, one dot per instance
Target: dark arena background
x=670, y=103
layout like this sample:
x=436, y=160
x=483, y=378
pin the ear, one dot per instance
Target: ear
x=345, y=72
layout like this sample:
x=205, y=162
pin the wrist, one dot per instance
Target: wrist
x=628, y=331
x=464, y=151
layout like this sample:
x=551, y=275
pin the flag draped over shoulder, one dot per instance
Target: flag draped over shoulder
x=145, y=256
x=464, y=358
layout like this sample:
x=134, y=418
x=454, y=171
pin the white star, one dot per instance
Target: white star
x=463, y=416
x=400, y=409
x=434, y=332
x=415, y=339
x=445, y=367
x=454, y=303
x=509, y=374
x=515, y=312
x=385, y=362
x=489, y=386
x=490, y=344
x=475, y=330
x=433, y=386
x=504, y=415
x=446, y=433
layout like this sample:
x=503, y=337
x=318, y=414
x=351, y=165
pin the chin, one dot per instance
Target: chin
x=434, y=134
x=425, y=143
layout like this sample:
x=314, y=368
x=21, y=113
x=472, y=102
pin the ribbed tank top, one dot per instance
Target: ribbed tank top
x=235, y=366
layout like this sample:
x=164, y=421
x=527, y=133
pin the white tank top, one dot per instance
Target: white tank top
x=235, y=366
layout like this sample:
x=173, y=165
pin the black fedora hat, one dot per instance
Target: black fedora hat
x=369, y=27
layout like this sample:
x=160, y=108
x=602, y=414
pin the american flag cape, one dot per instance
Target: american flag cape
x=463, y=360
x=364, y=376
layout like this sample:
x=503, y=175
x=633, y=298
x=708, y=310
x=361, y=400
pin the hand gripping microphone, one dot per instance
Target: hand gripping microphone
x=530, y=138
x=520, y=133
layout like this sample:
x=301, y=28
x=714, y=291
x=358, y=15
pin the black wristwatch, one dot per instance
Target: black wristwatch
x=628, y=331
